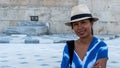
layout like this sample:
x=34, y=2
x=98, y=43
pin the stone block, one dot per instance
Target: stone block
x=16, y=40
x=46, y=41
x=60, y=2
x=106, y=16
x=28, y=28
x=60, y=13
x=43, y=13
x=4, y=41
x=98, y=5
x=4, y=3
x=4, y=38
x=24, y=14
x=38, y=2
x=59, y=27
x=3, y=25
x=34, y=41
x=12, y=14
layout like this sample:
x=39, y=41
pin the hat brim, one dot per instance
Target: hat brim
x=93, y=19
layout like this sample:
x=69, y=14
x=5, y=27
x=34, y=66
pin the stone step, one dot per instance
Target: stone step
x=28, y=28
x=46, y=39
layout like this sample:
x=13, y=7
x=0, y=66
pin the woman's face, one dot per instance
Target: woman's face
x=82, y=28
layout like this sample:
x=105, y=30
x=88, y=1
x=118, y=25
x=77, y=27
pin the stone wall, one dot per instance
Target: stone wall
x=53, y=12
x=56, y=12
x=108, y=12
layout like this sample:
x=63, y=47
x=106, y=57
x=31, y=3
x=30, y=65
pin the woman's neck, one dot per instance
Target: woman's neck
x=86, y=40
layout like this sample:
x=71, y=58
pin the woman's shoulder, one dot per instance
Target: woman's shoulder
x=100, y=40
x=101, y=43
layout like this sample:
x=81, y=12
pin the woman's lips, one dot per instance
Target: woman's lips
x=81, y=32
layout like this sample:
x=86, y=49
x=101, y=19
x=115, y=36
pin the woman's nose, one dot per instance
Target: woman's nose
x=79, y=25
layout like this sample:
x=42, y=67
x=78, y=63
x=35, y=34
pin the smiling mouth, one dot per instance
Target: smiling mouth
x=82, y=32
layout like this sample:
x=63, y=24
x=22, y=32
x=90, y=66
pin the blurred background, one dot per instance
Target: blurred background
x=50, y=15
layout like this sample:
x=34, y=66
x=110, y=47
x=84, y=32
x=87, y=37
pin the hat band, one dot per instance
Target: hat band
x=80, y=16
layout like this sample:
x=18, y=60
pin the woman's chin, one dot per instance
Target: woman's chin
x=82, y=36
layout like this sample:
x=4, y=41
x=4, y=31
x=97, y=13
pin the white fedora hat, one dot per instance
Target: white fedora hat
x=80, y=12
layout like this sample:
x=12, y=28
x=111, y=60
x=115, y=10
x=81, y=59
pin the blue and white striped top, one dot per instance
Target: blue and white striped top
x=96, y=50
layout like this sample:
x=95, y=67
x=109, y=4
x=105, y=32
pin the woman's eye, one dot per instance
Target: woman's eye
x=75, y=24
x=83, y=22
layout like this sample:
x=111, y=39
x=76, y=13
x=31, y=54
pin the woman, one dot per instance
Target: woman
x=89, y=51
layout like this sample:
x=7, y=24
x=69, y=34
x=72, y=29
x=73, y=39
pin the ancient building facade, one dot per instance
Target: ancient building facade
x=108, y=12
x=56, y=12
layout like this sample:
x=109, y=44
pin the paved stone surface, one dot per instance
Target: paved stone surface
x=30, y=55
x=46, y=55
x=55, y=38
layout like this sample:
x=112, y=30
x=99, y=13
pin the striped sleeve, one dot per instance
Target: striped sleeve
x=65, y=58
x=103, y=51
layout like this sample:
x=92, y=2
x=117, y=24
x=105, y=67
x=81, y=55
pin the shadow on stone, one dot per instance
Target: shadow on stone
x=35, y=41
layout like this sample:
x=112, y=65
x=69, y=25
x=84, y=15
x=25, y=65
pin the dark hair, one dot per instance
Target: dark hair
x=91, y=21
x=92, y=31
x=71, y=25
